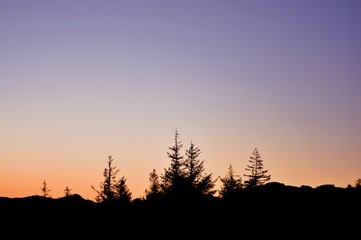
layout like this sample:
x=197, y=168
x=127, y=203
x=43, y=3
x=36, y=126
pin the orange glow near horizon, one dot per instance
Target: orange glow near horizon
x=78, y=84
x=79, y=174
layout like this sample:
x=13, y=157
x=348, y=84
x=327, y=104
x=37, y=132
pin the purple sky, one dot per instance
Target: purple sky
x=81, y=80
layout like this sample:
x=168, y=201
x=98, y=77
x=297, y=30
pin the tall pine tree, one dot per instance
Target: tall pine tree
x=196, y=178
x=108, y=188
x=257, y=176
x=173, y=178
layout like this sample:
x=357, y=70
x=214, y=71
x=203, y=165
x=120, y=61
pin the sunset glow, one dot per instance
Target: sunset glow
x=82, y=80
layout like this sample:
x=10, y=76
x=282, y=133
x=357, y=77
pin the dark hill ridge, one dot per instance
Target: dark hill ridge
x=275, y=208
x=36, y=201
x=270, y=192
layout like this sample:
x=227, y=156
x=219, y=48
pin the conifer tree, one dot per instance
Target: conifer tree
x=108, y=188
x=154, y=185
x=257, y=174
x=173, y=177
x=231, y=183
x=67, y=192
x=358, y=183
x=123, y=192
x=45, y=190
x=195, y=174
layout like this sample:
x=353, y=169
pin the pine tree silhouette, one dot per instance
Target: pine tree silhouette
x=258, y=175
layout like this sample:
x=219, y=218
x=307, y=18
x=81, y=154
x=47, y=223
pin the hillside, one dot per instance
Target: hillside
x=275, y=206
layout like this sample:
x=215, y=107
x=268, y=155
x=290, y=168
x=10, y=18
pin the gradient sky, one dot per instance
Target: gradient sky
x=81, y=80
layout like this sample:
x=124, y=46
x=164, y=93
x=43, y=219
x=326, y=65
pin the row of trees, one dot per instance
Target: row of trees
x=45, y=190
x=184, y=177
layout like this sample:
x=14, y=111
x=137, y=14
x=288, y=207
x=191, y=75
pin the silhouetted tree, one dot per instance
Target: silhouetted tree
x=123, y=192
x=231, y=183
x=67, y=192
x=195, y=176
x=45, y=190
x=258, y=175
x=173, y=178
x=154, y=186
x=108, y=188
x=358, y=183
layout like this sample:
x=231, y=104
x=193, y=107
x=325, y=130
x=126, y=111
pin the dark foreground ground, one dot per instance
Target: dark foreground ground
x=275, y=210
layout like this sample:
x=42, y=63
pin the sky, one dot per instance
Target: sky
x=81, y=80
